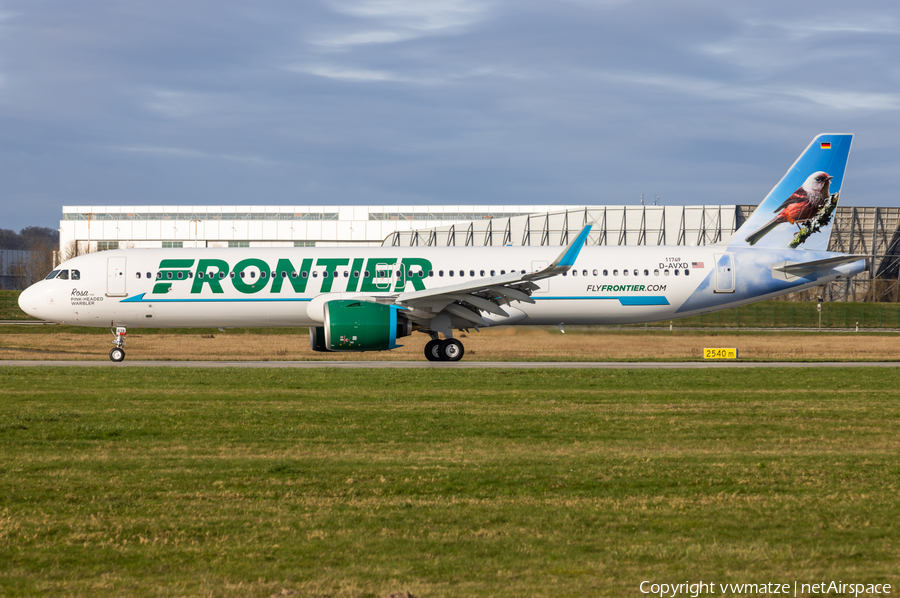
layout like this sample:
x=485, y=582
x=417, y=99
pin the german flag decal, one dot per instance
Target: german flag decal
x=826, y=145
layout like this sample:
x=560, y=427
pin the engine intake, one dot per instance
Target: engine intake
x=360, y=326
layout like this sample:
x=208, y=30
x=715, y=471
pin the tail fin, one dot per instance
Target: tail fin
x=802, y=203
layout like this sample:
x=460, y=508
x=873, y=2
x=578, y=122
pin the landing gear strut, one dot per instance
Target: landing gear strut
x=117, y=353
x=444, y=350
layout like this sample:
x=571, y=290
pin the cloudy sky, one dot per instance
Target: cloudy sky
x=392, y=102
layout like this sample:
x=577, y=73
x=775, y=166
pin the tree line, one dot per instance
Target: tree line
x=41, y=243
x=30, y=238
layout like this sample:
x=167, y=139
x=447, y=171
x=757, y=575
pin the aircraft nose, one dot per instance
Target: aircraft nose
x=28, y=300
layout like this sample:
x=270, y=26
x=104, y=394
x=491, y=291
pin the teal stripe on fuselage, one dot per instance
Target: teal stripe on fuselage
x=630, y=301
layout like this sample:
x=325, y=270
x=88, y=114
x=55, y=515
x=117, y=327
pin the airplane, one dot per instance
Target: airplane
x=366, y=299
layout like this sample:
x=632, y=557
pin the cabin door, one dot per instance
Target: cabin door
x=115, y=276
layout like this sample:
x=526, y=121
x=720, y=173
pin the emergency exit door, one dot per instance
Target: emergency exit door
x=724, y=273
x=115, y=277
x=543, y=284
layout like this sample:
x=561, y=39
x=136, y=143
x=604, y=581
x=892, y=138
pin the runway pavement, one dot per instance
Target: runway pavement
x=668, y=365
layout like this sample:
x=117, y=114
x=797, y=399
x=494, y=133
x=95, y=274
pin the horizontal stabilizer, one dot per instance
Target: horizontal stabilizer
x=790, y=270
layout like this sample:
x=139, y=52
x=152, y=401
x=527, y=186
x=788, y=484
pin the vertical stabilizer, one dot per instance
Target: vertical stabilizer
x=797, y=213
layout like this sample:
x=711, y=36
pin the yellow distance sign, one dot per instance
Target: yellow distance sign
x=719, y=353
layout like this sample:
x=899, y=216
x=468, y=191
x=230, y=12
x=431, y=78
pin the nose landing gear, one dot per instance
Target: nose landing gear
x=117, y=353
x=444, y=350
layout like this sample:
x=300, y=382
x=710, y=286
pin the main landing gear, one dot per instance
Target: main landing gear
x=117, y=353
x=444, y=350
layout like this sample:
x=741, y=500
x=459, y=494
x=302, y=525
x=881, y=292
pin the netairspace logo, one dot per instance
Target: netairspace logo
x=837, y=588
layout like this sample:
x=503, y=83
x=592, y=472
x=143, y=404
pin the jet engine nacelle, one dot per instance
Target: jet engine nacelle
x=356, y=325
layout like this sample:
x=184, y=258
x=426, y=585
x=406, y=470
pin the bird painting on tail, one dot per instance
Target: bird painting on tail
x=802, y=206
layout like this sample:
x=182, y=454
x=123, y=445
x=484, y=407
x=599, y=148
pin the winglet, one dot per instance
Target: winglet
x=566, y=259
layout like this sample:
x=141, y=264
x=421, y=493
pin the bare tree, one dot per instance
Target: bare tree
x=35, y=266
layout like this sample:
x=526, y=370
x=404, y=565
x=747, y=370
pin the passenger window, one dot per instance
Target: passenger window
x=221, y=275
x=421, y=273
x=584, y=272
x=462, y=272
x=294, y=274
x=615, y=272
x=52, y=275
x=574, y=272
x=687, y=272
x=346, y=274
x=450, y=272
x=595, y=272
x=472, y=273
x=366, y=274
x=200, y=275
x=656, y=273
x=624, y=272
x=169, y=275
x=482, y=273
x=635, y=271
x=666, y=272
x=676, y=272
x=646, y=272
x=324, y=274
x=304, y=274
x=180, y=275
x=565, y=273
x=315, y=274
x=148, y=275
x=243, y=274
x=253, y=274
x=441, y=273
x=231, y=274
x=356, y=274
x=606, y=273
x=76, y=275
x=63, y=275
x=137, y=274
x=492, y=273
x=502, y=272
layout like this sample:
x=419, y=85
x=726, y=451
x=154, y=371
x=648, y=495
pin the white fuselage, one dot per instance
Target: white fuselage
x=163, y=288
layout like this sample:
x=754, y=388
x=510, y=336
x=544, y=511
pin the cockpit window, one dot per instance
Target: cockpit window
x=76, y=275
x=63, y=275
x=52, y=275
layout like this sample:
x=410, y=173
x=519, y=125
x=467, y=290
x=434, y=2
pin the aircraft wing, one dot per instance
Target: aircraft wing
x=468, y=299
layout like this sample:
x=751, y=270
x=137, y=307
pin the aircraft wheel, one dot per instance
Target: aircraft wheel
x=117, y=354
x=451, y=350
x=432, y=350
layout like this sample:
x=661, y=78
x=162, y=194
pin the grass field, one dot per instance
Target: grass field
x=146, y=482
x=500, y=344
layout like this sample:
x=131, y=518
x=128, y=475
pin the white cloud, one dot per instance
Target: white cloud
x=420, y=15
x=348, y=74
x=178, y=152
x=707, y=89
x=401, y=20
x=175, y=104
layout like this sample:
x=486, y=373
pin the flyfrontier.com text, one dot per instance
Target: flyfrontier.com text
x=695, y=589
